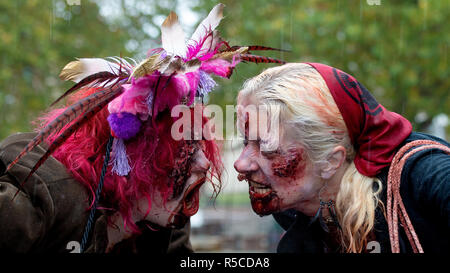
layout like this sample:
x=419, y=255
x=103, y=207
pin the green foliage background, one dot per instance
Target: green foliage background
x=399, y=49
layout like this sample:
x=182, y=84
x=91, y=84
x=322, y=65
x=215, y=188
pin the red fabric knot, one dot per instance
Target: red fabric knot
x=374, y=131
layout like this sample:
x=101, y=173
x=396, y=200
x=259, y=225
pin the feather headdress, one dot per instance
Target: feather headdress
x=175, y=73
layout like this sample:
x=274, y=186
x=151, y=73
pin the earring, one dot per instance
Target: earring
x=319, y=216
x=333, y=215
x=322, y=221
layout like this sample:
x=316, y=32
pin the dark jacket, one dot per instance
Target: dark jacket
x=425, y=191
x=50, y=211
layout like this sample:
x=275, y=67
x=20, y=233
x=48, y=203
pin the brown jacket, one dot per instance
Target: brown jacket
x=50, y=211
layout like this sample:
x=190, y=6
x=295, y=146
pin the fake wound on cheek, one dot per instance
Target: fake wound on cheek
x=182, y=166
x=290, y=164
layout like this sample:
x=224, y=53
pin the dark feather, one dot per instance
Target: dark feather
x=99, y=77
x=260, y=59
x=257, y=47
x=334, y=216
x=254, y=47
x=63, y=119
x=323, y=225
x=318, y=213
x=113, y=93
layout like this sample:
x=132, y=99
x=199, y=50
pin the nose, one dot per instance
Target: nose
x=245, y=163
x=201, y=162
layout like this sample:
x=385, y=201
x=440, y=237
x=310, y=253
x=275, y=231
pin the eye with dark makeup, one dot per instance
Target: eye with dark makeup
x=270, y=154
x=257, y=143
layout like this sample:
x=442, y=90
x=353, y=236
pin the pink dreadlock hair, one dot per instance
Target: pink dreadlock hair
x=83, y=154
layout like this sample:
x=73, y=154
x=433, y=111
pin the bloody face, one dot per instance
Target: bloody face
x=187, y=176
x=278, y=179
x=289, y=165
x=182, y=166
x=172, y=171
x=273, y=185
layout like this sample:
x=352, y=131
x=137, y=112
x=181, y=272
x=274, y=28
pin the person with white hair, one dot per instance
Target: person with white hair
x=342, y=173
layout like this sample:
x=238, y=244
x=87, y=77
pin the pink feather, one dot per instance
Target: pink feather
x=220, y=67
x=180, y=86
x=134, y=98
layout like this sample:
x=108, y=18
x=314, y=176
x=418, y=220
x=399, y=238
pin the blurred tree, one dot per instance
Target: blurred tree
x=398, y=49
x=38, y=39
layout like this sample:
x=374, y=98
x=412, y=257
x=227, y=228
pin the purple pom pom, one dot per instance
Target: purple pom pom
x=124, y=125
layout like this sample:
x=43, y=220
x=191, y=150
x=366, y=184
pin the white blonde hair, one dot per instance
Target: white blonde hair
x=309, y=108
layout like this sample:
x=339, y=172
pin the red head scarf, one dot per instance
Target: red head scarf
x=374, y=131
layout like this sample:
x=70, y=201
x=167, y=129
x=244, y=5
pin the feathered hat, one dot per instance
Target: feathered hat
x=174, y=74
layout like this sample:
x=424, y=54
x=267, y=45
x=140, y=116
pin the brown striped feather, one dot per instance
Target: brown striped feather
x=62, y=120
x=254, y=47
x=260, y=59
x=99, y=77
x=72, y=128
x=257, y=47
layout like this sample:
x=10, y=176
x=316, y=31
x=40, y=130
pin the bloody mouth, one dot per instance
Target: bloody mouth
x=263, y=198
x=259, y=190
x=188, y=206
x=191, y=199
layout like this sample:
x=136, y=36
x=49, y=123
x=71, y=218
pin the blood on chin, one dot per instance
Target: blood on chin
x=191, y=205
x=181, y=217
x=264, y=203
x=188, y=206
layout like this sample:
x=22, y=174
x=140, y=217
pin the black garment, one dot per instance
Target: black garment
x=425, y=191
x=50, y=211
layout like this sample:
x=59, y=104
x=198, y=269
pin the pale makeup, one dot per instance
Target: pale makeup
x=281, y=179
x=163, y=214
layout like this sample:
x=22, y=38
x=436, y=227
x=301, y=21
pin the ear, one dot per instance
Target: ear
x=335, y=160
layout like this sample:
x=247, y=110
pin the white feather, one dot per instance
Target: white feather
x=90, y=66
x=172, y=36
x=210, y=23
x=124, y=62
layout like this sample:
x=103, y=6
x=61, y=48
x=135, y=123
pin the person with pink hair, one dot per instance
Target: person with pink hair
x=105, y=172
